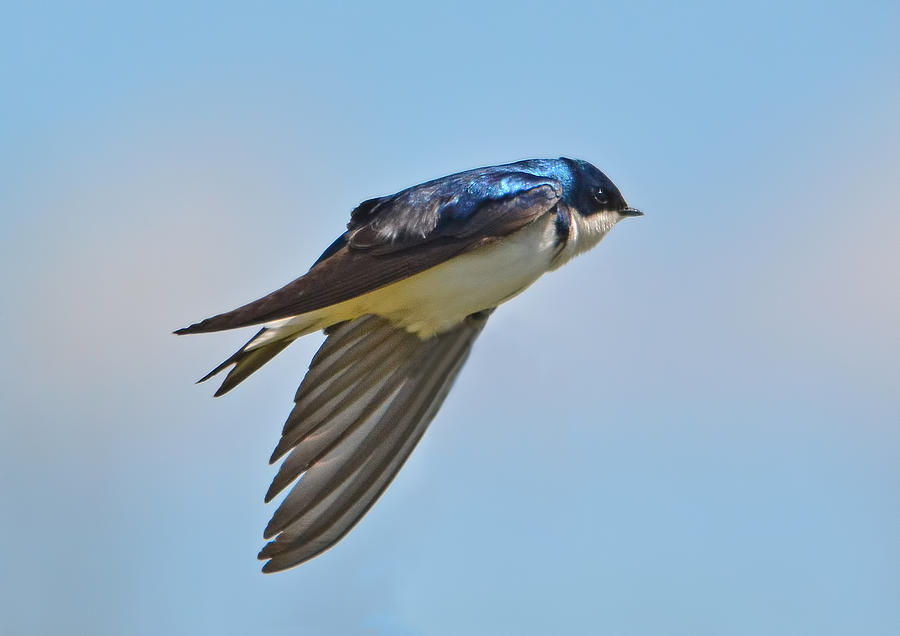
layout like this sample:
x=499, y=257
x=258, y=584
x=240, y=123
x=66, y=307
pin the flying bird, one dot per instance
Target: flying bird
x=401, y=296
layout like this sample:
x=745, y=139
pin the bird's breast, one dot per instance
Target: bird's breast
x=441, y=297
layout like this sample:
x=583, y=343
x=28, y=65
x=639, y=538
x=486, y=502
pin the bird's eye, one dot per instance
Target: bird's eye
x=600, y=197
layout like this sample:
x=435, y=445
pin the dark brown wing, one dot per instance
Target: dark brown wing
x=395, y=237
x=370, y=393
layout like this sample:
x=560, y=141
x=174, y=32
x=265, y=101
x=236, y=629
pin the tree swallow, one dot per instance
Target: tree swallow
x=401, y=296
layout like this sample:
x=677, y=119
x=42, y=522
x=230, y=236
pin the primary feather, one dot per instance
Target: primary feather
x=350, y=432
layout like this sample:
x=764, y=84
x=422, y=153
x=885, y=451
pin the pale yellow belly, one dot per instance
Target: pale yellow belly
x=441, y=297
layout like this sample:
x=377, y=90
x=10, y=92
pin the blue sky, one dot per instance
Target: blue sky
x=691, y=430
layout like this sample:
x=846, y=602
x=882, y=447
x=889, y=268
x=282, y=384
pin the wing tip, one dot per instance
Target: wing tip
x=272, y=492
x=273, y=527
x=280, y=451
x=273, y=564
x=198, y=327
x=268, y=554
x=220, y=322
x=280, y=557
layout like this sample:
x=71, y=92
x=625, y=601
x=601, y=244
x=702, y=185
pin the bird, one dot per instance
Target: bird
x=401, y=297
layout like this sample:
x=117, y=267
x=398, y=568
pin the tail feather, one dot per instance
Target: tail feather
x=247, y=360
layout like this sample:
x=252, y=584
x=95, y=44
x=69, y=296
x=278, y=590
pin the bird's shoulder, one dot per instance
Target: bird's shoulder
x=487, y=200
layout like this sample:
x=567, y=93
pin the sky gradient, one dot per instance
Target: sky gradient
x=692, y=429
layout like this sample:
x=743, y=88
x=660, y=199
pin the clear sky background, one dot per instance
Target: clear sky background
x=691, y=430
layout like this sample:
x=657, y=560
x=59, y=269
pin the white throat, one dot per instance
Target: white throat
x=585, y=233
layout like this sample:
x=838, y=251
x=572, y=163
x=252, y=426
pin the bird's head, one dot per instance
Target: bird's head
x=594, y=202
x=593, y=193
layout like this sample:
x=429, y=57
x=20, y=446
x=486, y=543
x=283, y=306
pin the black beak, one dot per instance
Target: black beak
x=631, y=212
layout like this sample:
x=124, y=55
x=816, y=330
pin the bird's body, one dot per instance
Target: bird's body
x=403, y=294
x=439, y=298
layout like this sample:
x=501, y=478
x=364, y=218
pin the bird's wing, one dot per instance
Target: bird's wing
x=370, y=392
x=391, y=238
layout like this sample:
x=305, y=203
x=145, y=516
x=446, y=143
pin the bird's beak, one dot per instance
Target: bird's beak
x=631, y=212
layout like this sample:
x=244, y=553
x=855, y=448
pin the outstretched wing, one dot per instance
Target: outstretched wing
x=391, y=238
x=370, y=392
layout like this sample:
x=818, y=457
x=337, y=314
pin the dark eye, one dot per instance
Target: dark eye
x=600, y=197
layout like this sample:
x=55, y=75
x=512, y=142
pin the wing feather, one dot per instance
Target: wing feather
x=325, y=424
x=346, y=460
x=402, y=235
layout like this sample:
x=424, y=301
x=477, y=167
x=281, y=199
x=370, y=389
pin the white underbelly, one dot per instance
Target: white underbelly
x=441, y=297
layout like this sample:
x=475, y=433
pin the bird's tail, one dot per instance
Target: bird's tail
x=246, y=360
x=262, y=347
